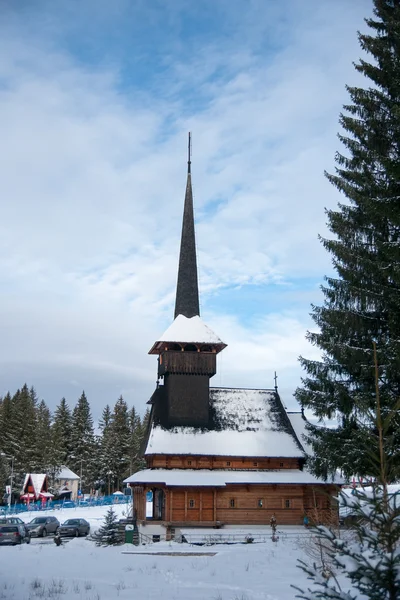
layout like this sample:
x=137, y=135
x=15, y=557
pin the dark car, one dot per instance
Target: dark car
x=41, y=526
x=13, y=534
x=14, y=521
x=74, y=527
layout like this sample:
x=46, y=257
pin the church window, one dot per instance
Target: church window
x=260, y=503
x=232, y=502
x=192, y=503
x=189, y=462
x=228, y=463
x=287, y=503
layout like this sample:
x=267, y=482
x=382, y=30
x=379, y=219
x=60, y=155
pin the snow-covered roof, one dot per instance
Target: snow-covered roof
x=299, y=425
x=205, y=477
x=37, y=480
x=189, y=331
x=246, y=422
x=66, y=473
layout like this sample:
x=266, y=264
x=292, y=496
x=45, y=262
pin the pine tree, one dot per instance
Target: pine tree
x=362, y=302
x=83, y=442
x=108, y=534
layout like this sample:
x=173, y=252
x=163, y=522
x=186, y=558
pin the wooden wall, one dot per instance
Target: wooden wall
x=220, y=462
x=243, y=504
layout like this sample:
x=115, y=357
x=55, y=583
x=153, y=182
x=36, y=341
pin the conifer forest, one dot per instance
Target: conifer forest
x=35, y=440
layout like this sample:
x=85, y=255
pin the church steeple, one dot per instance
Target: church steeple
x=187, y=289
x=187, y=351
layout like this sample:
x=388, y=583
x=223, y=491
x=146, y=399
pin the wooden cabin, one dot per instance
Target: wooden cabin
x=217, y=456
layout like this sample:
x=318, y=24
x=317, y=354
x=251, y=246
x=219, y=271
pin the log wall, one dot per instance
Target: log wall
x=226, y=462
x=243, y=504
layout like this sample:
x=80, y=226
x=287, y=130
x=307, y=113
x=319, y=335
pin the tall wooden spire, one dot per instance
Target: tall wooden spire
x=187, y=289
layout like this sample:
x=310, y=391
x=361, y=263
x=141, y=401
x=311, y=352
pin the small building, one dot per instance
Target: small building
x=66, y=484
x=217, y=456
x=35, y=487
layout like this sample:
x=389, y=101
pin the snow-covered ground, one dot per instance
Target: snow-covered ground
x=94, y=515
x=78, y=570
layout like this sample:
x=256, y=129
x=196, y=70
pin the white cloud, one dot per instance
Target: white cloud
x=93, y=177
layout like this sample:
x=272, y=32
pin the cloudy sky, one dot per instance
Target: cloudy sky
x=96, y=99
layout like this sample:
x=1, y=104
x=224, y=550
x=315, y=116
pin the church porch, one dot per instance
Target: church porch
x=236, y=504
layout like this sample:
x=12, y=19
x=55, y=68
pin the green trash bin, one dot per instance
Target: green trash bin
x=128, y=534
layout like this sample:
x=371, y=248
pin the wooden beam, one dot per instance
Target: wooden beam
x=215, y=505
x=171, y=501
x=201, y=506
x=185, y=505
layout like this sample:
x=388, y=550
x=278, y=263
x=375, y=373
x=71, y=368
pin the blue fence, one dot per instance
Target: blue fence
x=58, y=504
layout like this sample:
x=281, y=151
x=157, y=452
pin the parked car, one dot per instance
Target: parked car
x=14, y=521
x=13, y=534
x=41, y=526
x=74, y=527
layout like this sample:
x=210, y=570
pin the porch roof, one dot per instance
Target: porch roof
x=208, y=478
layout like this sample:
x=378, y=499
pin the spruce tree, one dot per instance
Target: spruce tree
x=108, y=534
x=8, y=441
x=106, y=451
x=138, y=430
x=368, y=560
x=105, y=420
x=120, y=436
x=24, y=433
x=362, y=301
x=135, y=427
x=43, y=438
x=83, y=442
x=61, y=432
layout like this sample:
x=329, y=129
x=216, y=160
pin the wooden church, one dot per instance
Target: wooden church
x=216, y=456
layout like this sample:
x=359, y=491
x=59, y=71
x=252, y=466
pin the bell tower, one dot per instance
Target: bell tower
x=187, y=350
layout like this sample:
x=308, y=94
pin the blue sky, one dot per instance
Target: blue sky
x=96, y=99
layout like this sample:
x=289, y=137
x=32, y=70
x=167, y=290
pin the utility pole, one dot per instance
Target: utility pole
x=11, y=481
x=80, y=480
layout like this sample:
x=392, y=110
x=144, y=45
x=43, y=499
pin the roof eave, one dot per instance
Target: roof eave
x=159, y=347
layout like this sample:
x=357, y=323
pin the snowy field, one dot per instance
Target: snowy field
x=78, y=570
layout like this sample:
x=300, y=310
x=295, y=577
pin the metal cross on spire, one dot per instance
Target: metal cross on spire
x=189, y=152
